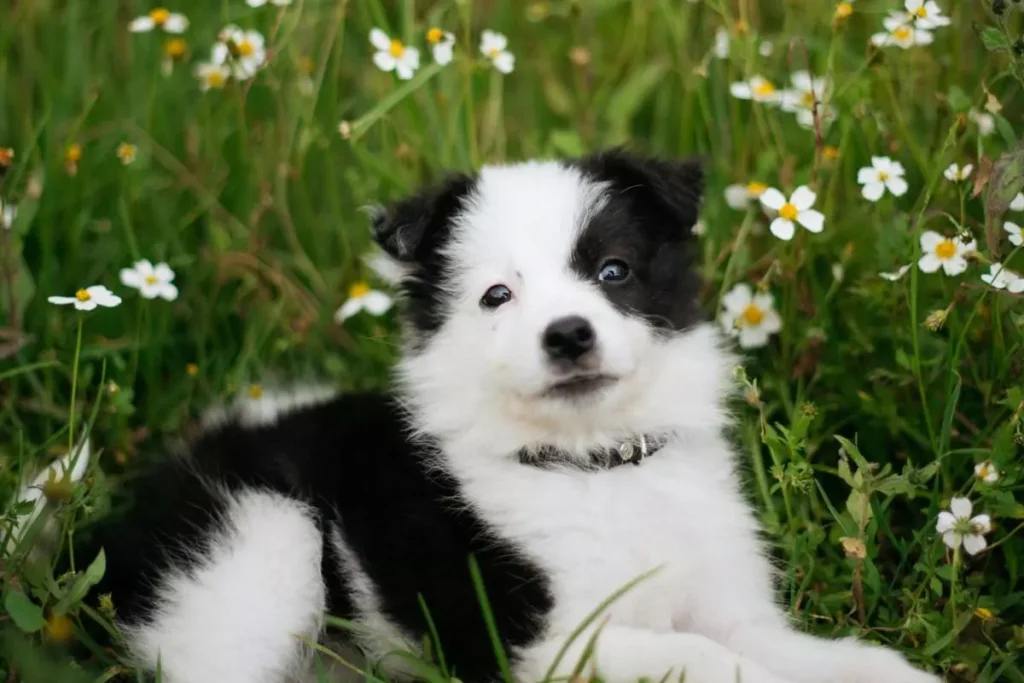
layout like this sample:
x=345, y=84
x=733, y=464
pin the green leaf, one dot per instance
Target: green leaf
x=994, y=40
x=27, y=615
x=567, y=142
x=83, y=582
x=631, y=96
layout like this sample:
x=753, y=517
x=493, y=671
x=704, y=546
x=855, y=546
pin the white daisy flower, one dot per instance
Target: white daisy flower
x=1000, y=277
x=926, y=14
x=986, y=122
x=898, y=274
x=987, y=472
x=89, y=298
x=956, y=174
x=750, y=317
x=492, y=45
x=362, y=298
x=393, y=55
x=261, y=3
x=8, y=214
x=758, y=88
x=766, y=48
x=151, y=281
x=244, y=52
x=899, y=31
x=1018, y=202
x=947, y=253
x=800, y=100
x=159, y=18
x=883, y=174
x=721, y=48
x=796, y=209
x=738, y=197
x=442, y=45
x=958, y=527
x=1016, y=232
x=211, y=75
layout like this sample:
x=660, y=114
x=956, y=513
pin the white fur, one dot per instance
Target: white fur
x=269, y=407
x=237, y=618
x=478, y=385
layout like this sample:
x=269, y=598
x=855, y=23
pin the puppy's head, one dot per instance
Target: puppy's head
x=553, y=303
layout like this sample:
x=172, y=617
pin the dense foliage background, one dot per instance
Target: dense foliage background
x=875, y=403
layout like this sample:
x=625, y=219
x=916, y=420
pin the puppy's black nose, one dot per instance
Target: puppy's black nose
x=569, y=338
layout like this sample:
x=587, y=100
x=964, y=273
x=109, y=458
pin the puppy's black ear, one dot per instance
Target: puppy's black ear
x=668, y=190
x=411, y=229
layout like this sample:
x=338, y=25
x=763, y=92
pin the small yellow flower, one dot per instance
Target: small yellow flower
x=6, y=157
x=983, y=613
x=741, y=27
x=73, y=153
x=831, y=153
x=126, y=152
x=191, y=369
x=255, y=391
x=59, y=628
x=843, y=10
x=175, y=48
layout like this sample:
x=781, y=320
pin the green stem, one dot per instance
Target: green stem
x=74, y=389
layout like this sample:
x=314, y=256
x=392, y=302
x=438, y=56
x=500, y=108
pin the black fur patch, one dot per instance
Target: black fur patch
x=413, y=231
x=411, y=531
x=646, y=222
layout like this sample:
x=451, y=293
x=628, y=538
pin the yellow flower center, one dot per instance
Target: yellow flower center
x=984, y=470
x=216, y=79
x=764, y=89
x=83, y=295
x=751, y=315
x=807, y=99
x=73, y=153
x=246, y=49
x=191, y=369
x=921, y=12
x=126, y=152
x=435, y=35
x=59, y=628
x=255, y=391
x=831, y=153
x=175, y=48
x=843, y=10
x=901, y=33
x=396, y=49
x=151, y=280
x=789, y=212
x=741, y=27
x=160, y=16
x=358, y=290
x=494, y=52
x=756, y=189
x=883, y=176
x=946, y=249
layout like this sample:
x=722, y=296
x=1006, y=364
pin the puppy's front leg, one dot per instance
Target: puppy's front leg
x=625, y=655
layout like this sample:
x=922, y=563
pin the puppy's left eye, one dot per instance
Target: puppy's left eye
x=613, y=270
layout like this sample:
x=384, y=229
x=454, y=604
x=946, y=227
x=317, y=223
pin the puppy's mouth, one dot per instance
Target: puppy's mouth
x=579, y=385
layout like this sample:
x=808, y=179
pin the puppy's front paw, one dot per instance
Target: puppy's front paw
x=874, y=664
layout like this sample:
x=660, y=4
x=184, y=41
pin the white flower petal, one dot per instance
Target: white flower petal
x=385, y=61
x=176, y=23
x=376, y=303
x=741, y=91
x=899, y=273
x=505, y=62
x=443, y=53
x=131, y=278
x=929, y=240
x=782, y=229
x=873, y=191
x=812, y=220
x=1018, y=202
x=772, y=323
x=141, y=25
x=974, y=544
x=85, y=305
x=961, y=507
x=952, y=539
x=868, y=174
x=738, y=298
x=897, y=185
x=945, y=522
x=773, y=199
x=349, y=309
x=737, y=197
x=803, y=198
x=982, y=524
x=954, y=266
x=404, y=71
x=753, y=337
x=929, y=263
x=61, y=300
x=168, y=291
x=380, y=40
x=163, y=272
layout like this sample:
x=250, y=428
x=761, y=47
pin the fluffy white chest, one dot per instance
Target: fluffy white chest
x=678, y=514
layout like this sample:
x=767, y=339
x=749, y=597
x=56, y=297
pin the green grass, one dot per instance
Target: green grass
x=252, y=195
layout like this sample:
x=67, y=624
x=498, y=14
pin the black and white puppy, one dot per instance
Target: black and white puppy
x=558, y=414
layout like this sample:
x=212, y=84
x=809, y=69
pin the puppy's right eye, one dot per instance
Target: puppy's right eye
x=496, y=296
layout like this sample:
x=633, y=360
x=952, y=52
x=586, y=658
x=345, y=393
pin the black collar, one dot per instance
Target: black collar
x=630, y=452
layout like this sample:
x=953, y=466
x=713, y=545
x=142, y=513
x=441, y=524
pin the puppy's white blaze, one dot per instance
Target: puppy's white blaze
x=259, y=576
